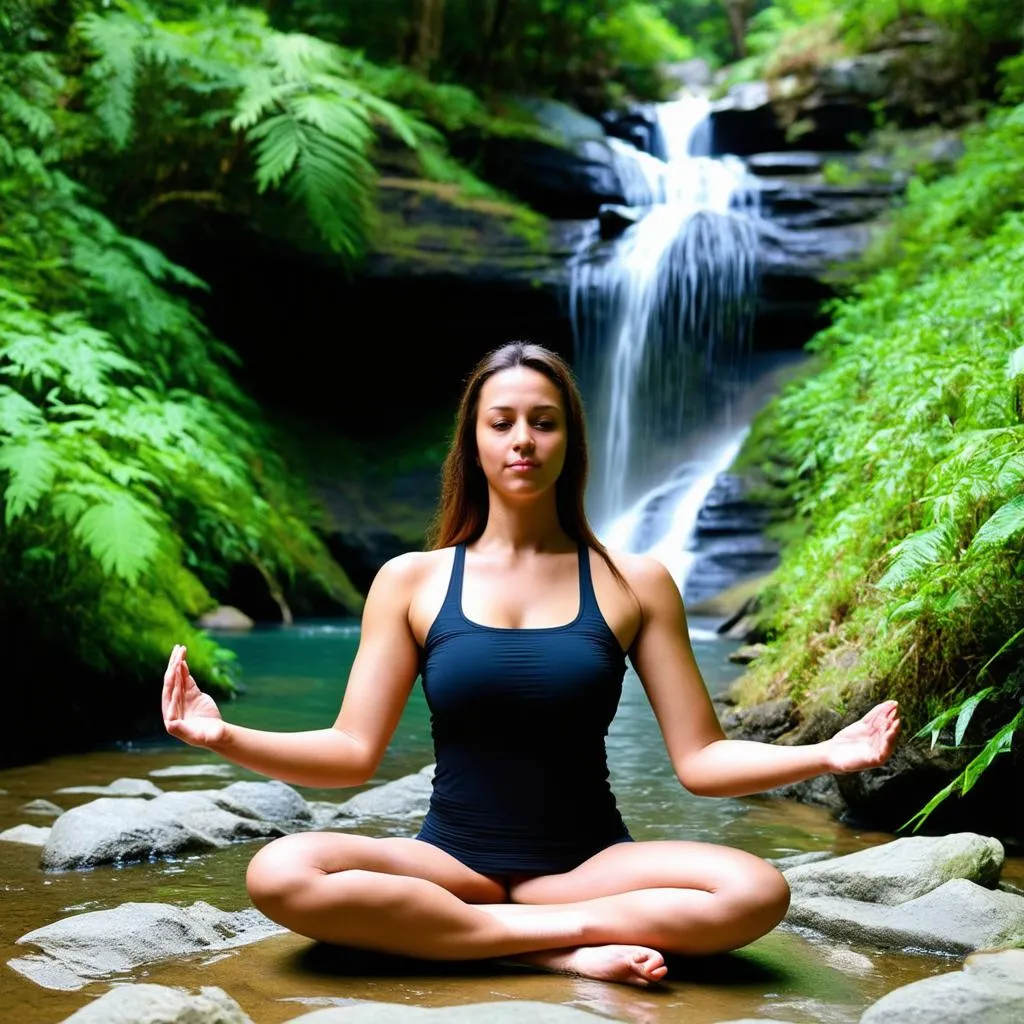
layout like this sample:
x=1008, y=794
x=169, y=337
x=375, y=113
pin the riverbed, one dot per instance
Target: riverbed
x=294, y=679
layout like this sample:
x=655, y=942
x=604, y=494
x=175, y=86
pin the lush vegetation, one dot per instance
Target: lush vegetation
x=136, y=479
x=902, y=457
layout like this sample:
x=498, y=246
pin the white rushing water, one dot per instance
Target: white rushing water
x=662, y=321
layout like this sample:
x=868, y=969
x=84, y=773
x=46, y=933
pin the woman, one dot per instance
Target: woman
x=520, y=622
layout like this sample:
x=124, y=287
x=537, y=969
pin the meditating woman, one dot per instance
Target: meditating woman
x=520, y=623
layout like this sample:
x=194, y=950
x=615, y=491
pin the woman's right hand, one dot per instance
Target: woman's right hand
x=189, y=714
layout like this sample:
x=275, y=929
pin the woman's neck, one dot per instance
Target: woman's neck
x=524, y=527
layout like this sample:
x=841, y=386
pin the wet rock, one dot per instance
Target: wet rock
x=520, y=1011
x=762, y=722
x=225, y=617
x=119, y=787
x=188, y=771
x=28, y=835
x=901, y=870
x=570, y=177
x=748, y=653
x=42, y=807
x=957, y=917
x=617, y=220
x=119, y=830
x=160, y=1004
x=800, y=207
x=269, y=801
x=793, y=860
x=95, y=945
x=781, y=164
x=989, y=990
x=406, y=797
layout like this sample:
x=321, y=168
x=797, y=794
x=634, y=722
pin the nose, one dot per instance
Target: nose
x=522, y=437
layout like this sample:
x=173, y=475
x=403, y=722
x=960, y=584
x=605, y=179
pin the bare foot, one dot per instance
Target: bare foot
x=629, y=965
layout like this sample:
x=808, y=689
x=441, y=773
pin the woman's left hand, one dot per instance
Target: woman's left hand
x=866, y=743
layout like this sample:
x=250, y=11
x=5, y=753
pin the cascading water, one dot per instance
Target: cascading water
x=662, y=322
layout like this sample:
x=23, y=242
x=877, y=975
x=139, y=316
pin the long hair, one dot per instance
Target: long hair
x=462, y=513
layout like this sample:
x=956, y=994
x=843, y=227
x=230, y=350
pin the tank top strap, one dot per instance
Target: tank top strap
x=452, y=603
x=588, y=598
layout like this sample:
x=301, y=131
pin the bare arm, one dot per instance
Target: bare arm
x=705, y=761
x=346, y=754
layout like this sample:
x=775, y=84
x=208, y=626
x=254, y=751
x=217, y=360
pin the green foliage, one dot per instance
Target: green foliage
x=133, y=473
x=903, y=457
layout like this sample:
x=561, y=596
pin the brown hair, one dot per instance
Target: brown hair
x=462, y=513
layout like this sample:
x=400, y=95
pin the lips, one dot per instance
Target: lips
x=523, y=464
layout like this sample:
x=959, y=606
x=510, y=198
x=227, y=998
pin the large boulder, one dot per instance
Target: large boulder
x=402, y=799
x=957, y=917
x=160, y=1004
x=568, y=177
x=77, y=949
x=989, y=990
x=123, y=829
x=901, y=870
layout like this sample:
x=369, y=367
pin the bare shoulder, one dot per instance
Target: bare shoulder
x=650, y=581
x=405, y=574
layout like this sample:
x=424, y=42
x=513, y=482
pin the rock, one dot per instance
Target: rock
x=406, y=797
x=989, y=990
x=957, y=917
x=730, y=604
x=225, y=617
x=116, y=830
x=119, y=787
x=805, y=207
x=748, y=653
x=160, y=1004
x=781, y=164
x=793, y=860
x=745, y=629
x=728, y=509
x=617, y=220
x=761, y=722
x=94, y=945
x=268, y=801
x=569, y=177
x=519, y=1011
x=186, y=771
x=901, y=870
x=28, y=835
x=44, y=807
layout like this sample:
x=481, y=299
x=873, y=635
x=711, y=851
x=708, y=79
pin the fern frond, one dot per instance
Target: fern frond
x=37, y=121
x=1004, y=524
x=118, y=533
x=118, y=40
x=18, y=416
x=31, y=466
x=916, y=553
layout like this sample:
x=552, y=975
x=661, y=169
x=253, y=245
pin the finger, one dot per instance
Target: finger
x=168, y=687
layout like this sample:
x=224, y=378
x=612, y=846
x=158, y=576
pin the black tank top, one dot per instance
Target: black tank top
x=519, y=719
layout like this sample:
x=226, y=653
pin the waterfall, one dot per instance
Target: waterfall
x=662, y=320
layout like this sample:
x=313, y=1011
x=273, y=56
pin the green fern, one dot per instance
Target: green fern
x=31, y=465
x=120, y=535
x=1005, y=523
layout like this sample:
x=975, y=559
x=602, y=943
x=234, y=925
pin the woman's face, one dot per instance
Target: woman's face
x=521, y=432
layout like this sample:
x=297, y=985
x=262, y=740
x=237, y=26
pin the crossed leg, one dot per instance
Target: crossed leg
x=612, y=917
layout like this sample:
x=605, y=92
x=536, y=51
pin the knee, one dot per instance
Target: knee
x=762, y=898
x=277, y=876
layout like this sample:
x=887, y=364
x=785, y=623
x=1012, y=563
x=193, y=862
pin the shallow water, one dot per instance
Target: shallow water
x=294, y=679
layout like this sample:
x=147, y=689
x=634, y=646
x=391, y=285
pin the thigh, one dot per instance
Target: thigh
x=325, y=853
x=658, y=864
